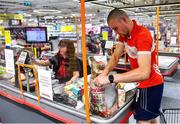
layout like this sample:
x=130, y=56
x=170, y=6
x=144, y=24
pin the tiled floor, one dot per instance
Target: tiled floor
x=171, y=95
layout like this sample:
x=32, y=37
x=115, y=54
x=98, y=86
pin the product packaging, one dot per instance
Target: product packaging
x=125, y=92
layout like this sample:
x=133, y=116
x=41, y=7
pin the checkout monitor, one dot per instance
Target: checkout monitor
x=36, y=35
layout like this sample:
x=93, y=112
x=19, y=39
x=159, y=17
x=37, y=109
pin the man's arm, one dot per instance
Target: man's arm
x=114, y=58
x=141, y=73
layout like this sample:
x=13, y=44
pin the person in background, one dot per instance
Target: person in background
x=2, y=47
x=93, y=46
x=65, y=63
x=143, y=59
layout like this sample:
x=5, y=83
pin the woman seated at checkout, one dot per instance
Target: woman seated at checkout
x=65, y=63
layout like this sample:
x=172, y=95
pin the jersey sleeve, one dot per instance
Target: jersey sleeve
x=144, y=43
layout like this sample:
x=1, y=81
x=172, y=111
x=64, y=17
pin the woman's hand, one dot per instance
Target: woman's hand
x=69, y=82
x=74, y=78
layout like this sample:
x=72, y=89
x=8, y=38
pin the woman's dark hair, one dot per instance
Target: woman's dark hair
x=70, y=54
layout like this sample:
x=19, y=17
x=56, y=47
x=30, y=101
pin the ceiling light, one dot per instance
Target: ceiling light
x=48, y=17
x=27, y=15
x=148, y=6
x=60, y=17
x=47, y=11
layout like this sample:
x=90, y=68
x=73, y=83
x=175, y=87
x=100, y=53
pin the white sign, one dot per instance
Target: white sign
x=45, y=84
x=109, y=44
x=173, y=40
x=9, y=57
x=22, y=58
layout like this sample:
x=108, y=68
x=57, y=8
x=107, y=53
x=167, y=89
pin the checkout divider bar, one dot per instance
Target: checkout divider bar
x=178, y=17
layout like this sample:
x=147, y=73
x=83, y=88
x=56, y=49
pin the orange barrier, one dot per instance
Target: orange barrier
x=178, y=32
x=157, y=31
x=76, y=23
x=84, y=55
x=36, y=78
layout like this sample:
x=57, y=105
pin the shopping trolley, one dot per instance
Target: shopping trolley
x=170, y=116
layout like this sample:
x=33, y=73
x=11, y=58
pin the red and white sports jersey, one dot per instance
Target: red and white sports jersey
x=141, y=42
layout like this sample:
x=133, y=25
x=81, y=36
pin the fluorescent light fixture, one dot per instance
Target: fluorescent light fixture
x=160, y=11
x=60, y=17
x=48, y=17
x=27, y=15
x=75, y=14
x=147, y=6
x=164, y=15
x=47, y=11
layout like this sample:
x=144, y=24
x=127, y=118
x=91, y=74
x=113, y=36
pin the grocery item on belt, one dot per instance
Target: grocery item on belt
x=121, y=94
x=97, y=103
x=102, y=99
x=125, y=92
x=97, y=65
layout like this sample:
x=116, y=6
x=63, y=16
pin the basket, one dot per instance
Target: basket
x=170, y=116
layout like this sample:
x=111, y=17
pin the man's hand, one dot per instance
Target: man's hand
x=101, y=80
x=114, y=108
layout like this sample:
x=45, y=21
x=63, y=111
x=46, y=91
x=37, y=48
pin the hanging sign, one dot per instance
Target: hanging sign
x=9, y=58
x=7, y=38
x=105, y=35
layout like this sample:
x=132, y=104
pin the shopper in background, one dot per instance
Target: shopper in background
x=142, y=56
x=93, y=46
x=2, y=47
x=65, y=63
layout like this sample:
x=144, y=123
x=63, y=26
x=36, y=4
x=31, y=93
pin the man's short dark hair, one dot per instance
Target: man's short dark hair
x=116, y=13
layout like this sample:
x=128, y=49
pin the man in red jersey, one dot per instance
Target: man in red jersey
x=143, y=59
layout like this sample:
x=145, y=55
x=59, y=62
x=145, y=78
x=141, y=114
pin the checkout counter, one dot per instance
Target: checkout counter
x=57, y=110
x=69, y=114
x=172, y=51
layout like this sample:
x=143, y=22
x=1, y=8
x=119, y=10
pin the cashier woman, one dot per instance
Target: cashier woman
x=142, y=56
x=65, y=63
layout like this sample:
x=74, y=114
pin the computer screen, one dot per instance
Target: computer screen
x=36, y=35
